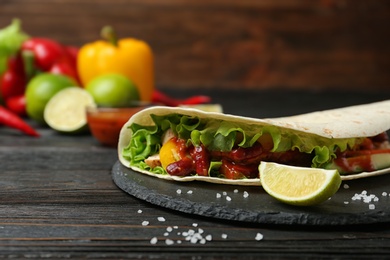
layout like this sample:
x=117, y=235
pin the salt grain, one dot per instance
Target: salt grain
x=346, y=186
x=245, y=194
x=145, y=223
x=371, y=206
x=224, y=193
x=194, y=224
x=189, y=192
x=384, y=194
x=228, y=198
x=224, y=236
x=169, y=229
x=218, y=196
x=178, y=191
x=235, y=191
x=139, y=211
x=161, y=219
x=259, y=237
x=169, y=241
x=153, y=241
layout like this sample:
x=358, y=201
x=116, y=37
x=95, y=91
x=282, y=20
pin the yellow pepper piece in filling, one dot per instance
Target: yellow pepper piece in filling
x=130, y=57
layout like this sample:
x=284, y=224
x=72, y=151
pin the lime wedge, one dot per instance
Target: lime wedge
x=299, y=186
x=66, y=110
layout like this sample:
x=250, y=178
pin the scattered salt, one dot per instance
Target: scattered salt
x=166, y=234
x=169, y=229
x=194, y=224
x=189, y=192
x=245, y=194
x=145, y=223
x=384, y=194
x=346, y=186
x=209, y=237
x=235, y=191
x=218, y=196
x=224, y=193
x=259, y=237
x=364, y=197
x=224, y=236
x=371, y=206
x=228, y=198
x=154, y=240
x=169, y=241
x=346, y=202
x=139, y=211
x=161, y=219
x=178, y=191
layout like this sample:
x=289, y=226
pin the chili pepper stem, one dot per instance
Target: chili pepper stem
x=28, y=63
x=109, y=34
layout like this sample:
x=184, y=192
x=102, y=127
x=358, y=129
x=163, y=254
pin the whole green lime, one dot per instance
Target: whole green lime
x=113, y=90
x=39, y=91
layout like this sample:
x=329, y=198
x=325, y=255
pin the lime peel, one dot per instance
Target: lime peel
x=300, y=186
x=66, y=110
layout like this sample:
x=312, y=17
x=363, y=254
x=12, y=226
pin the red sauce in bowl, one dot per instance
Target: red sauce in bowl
x=105, y=123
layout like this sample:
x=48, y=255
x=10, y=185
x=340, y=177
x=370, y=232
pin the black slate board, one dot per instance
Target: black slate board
x=212, y=200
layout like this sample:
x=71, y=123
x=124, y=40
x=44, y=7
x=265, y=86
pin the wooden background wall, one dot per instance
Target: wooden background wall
x=263, y=44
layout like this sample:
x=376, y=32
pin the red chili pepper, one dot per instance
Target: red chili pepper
x=64, y=68
x=46, y=52
x=13, y=80
x=12, y=84
x=12, y=120
x=72, y=52
x=159, y=97
x=50, y=56
x=17, y=104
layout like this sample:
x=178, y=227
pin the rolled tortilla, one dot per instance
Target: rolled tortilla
x=349, y=122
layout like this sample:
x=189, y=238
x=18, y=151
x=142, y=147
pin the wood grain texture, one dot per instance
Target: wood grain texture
x=321, y=44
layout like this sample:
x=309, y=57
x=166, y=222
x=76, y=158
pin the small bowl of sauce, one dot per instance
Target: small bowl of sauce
x=106, y=123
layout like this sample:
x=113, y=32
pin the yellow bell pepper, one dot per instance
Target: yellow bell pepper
x=130, y=57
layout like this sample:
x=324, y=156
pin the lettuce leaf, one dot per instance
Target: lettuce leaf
x=221, y=135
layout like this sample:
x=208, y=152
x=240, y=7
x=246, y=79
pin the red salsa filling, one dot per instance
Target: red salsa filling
x=243, y=162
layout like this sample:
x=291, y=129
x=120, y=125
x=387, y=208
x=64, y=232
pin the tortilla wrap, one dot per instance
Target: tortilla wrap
x=349, y=122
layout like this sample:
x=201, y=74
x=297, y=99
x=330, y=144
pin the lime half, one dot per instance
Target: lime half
x=66, y=110
x=299, y=186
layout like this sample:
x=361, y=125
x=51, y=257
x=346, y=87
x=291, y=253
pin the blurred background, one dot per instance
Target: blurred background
x=250, y=44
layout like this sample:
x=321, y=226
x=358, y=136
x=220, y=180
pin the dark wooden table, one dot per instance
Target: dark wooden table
x=58, y=200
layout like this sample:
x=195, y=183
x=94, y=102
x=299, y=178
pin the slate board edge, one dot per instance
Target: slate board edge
x=221, y=212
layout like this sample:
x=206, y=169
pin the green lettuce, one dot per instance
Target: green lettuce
x=219, y=135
